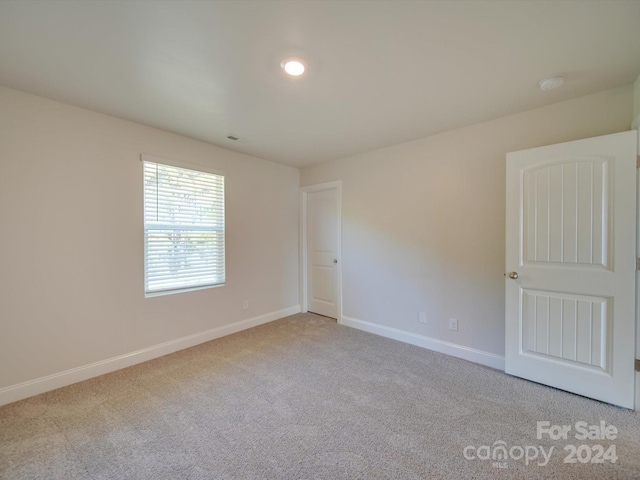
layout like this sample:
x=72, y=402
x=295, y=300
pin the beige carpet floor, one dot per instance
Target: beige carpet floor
x=305, y=398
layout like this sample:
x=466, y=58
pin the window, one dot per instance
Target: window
x=183, y=229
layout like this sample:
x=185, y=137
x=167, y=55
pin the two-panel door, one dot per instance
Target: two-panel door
x=322, y=252
x=571, y=266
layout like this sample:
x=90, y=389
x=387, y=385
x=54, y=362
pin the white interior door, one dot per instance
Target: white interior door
x=322, y=252
x=571, y=229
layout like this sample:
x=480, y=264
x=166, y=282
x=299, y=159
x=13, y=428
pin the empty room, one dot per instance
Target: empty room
x=350, y=239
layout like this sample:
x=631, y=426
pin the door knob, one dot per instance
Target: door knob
x=512, y=275
x=335, y=260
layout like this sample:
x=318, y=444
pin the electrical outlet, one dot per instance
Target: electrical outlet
x=422, y=318
x=453, y=324
x=245, y=304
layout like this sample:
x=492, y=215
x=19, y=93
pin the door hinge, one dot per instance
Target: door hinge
x=638, y=161
x=637, y=364
x=638, y=264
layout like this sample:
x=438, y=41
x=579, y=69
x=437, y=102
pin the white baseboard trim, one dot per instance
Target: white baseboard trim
x=30, y=388
x=478, y=356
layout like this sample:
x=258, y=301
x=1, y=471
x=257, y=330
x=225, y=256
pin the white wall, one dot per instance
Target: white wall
x=423, y=222
x=71, y=238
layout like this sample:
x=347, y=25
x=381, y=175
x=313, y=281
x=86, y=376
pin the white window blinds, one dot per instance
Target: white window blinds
x=183, y=228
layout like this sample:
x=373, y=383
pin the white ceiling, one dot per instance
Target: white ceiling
x=380, y=72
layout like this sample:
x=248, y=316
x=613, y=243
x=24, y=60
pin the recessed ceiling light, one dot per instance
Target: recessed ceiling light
x=293, y=66
x=549, y=83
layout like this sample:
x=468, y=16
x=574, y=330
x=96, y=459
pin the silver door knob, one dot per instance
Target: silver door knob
x=512, y=275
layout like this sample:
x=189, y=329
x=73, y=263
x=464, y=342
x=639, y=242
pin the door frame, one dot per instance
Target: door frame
x=637, y=355
x=304, y=192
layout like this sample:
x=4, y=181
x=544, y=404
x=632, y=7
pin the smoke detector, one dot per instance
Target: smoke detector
x=549, y=83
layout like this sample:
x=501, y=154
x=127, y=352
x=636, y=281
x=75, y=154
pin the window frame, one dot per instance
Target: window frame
x=144, y=158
